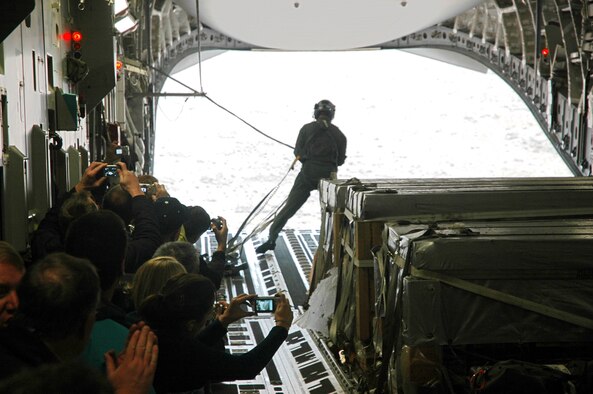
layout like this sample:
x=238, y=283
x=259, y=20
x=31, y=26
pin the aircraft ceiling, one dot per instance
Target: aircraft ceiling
x=322, y=24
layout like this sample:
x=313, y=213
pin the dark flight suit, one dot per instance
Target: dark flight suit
x=321, y=147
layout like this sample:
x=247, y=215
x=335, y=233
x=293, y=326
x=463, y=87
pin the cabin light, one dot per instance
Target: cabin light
x=120, y=6
x=545, y=52
x=76, y=36
x=126, y=24
x=119, y=64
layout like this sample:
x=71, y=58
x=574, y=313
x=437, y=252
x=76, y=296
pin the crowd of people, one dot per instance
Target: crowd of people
x=117, y=298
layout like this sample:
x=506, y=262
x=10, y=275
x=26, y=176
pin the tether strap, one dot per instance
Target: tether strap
x=231, y=246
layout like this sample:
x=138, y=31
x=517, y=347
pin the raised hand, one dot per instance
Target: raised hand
x=128, y=180
x=92, y=177
x=283, y=314
x=221, y=234
x=234, y=311
x=160, y=191
x=133, y=371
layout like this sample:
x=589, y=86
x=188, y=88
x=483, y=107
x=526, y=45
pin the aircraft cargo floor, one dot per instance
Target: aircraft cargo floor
x=303, y=364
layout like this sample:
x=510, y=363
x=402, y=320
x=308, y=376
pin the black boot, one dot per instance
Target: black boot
x=263, y=248
x=233, y=270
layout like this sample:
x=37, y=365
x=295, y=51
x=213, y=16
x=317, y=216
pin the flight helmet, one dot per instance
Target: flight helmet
x=324, y=107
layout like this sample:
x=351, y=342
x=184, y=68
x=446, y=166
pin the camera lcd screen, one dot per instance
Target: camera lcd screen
x=265, y=304
x=110, y=171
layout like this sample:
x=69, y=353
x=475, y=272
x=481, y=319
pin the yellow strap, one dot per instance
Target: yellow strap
x=182, y=236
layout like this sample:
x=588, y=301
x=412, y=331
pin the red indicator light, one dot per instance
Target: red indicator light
x=76, y=46
x=76, y=36
x=545, y=52
x=119, y=65
x=67, y=36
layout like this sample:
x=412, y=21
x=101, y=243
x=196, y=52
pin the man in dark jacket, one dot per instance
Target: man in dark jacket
x=321, y=148
x=129, y=202
x=49, y=236
x=126, y=199
x=53, y=324
x=57, y=298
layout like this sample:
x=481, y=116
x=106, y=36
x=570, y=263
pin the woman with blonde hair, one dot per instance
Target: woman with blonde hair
x=152, y=276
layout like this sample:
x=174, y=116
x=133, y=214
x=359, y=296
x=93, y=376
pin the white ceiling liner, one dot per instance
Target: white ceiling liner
x=324, y=24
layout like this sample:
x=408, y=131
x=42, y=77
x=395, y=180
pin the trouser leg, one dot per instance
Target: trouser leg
x=300, y=192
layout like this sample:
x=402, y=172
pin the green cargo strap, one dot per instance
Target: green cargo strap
x=506, y=298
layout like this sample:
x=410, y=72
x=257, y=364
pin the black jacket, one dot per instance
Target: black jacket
x=21, y=349
x=188, y=363
x=215, y=270
x=146, y=237
x=321, y=142
x=49, y=236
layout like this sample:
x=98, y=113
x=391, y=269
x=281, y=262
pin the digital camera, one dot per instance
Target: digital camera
x=122, y=151
x=217, y=222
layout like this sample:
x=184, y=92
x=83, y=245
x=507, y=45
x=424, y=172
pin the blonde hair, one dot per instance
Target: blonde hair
x=152, y=276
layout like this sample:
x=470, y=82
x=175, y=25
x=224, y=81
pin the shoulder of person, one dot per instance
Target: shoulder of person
x=337, y=129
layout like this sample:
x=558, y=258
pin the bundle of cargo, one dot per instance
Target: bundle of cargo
x=451, y=295
x=454, y=199
x=334, y=193
x=356, y=211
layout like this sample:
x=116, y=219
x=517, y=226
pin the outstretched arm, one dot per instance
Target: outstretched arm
x=92, y=177
x=146, y=237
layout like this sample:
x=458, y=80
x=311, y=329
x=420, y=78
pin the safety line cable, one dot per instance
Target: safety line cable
x=252, y=214
x=247, y=123
x=221, y=107
x=212, y=101
x=259, y=228
x=231, y=246
x=199, y=44
x=178, y=114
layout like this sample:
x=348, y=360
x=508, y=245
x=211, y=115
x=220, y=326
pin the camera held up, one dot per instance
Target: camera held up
x=217, y=222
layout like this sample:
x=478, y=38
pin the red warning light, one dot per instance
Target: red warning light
x=119, y=64
x=67, y=36
x=76, y=36
x=545, y=52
